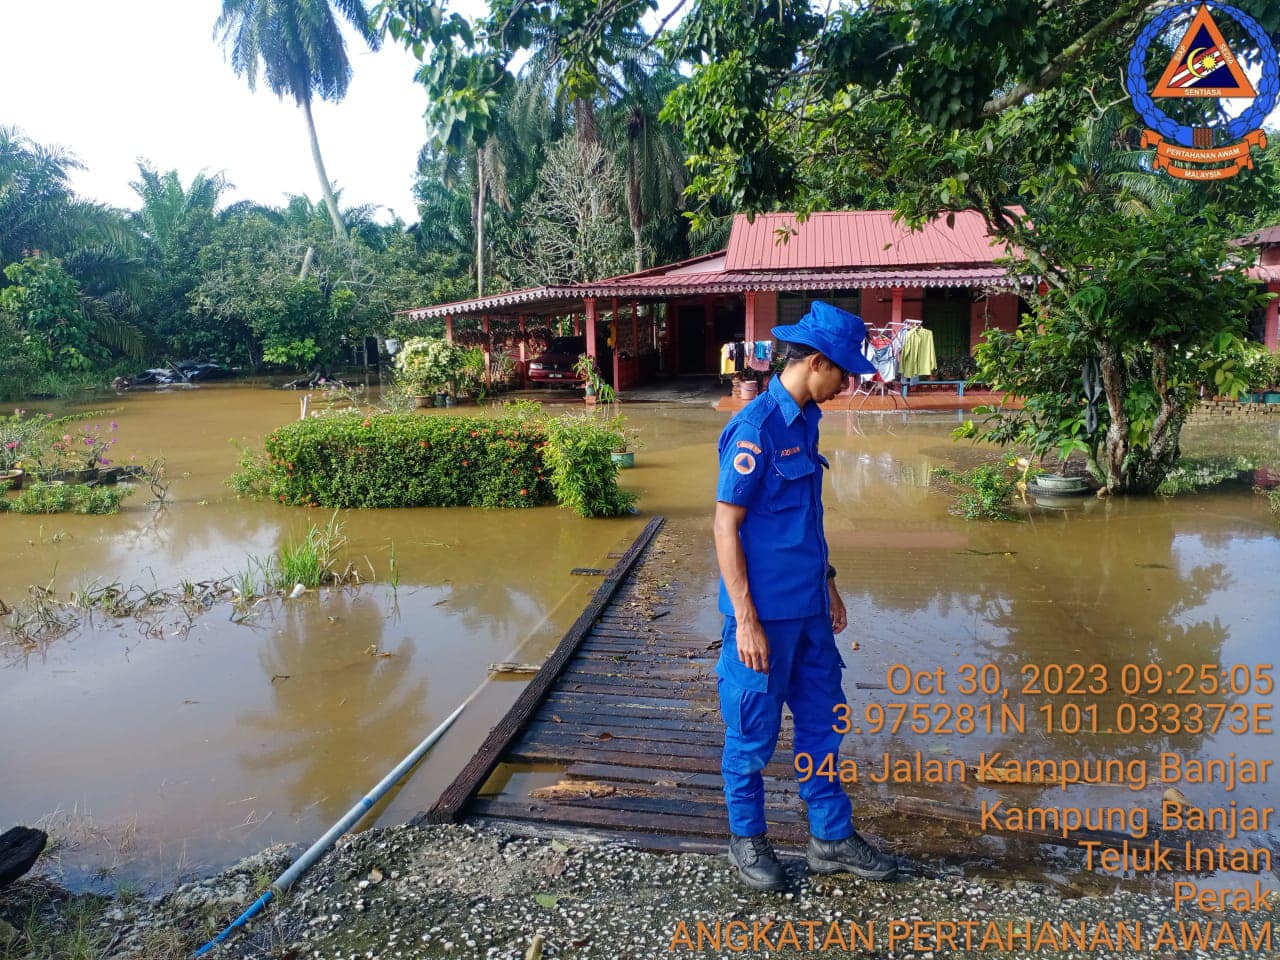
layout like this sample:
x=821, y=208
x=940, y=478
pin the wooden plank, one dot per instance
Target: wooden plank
x=669, y=696
x=677, y=672
x=594, y=747
x=651, y=775
x=573, y=719
x=541, y=728
x=698, y=764
x=482, y=764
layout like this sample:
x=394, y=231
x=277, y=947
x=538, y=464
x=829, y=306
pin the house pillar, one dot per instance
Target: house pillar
x=1271, y=337
x=484, y=327
x=524, y=355
x=590, y=304
x=750, y=335
x=617, y=344
x=895, y=315
x=673, y=338
x=448, y=329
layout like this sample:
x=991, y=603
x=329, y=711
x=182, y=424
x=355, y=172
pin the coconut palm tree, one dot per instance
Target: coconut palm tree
x=299, y=48
x=649, y=151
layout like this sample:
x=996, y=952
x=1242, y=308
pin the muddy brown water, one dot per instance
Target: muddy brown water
x=154, y=755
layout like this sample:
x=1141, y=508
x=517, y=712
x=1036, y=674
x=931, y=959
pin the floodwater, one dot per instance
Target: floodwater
x=178, y=753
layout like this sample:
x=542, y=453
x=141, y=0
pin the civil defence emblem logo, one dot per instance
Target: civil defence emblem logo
x=1204, y=66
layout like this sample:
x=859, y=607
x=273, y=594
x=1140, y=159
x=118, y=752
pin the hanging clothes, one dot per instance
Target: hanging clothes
x=726, y=360
x=918, y=358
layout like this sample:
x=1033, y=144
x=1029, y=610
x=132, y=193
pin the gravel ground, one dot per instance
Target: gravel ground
x=460, y=891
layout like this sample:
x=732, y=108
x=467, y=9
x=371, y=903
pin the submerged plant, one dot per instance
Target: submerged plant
x=310, y=561
x=1199, y=473
x=986, y=489
x=66, y=498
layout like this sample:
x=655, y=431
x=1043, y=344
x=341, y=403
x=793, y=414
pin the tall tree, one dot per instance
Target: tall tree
x=298, y=46
x=648, y=149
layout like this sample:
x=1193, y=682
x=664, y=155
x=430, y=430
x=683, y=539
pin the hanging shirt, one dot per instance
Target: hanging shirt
x=769, y=463
x=918, y=358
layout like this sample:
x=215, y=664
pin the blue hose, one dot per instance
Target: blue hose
x=349, y=820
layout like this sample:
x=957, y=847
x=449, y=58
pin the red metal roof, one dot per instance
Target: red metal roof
x=857, y=238
x=1260, y=238
x=739, y=281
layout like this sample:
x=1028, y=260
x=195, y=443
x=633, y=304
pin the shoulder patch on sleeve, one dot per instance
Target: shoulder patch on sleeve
x=744, y=463
x=748, y=445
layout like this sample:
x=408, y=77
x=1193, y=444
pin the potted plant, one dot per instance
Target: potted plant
x=595, y=389
x=624, y=452
x=429, y=367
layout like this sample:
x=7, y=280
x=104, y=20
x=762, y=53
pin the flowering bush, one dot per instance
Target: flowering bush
x=85, y=448
x=19, y=439
x=430, y=365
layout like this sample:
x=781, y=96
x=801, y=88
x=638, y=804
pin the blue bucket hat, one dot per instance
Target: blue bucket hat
x=836, y=334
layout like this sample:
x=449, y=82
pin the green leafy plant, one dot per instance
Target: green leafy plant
x=583, y=473
x=406, y=460
x=985, y=489
x=430, y=364
x=66, y=498
x=593, y=383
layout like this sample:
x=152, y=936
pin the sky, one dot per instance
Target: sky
x=114, y=81
x=118, y=80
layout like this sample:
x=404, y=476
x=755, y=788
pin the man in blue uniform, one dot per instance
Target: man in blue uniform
x=780, y=604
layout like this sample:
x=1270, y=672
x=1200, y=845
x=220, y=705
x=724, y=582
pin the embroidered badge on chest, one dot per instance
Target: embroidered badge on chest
x=744, y=463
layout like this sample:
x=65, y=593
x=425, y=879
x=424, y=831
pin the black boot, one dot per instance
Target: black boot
x=756, y=863
x=850, y=855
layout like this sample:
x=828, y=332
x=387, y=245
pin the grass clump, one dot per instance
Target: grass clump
x=984, y=491
x=310, y=561
x=66, y=498
x=414, y=460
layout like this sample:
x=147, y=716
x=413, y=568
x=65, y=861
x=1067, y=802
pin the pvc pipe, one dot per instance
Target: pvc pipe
x=334, y=833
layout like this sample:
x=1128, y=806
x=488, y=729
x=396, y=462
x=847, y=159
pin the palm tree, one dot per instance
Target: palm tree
x=299, y=47
x=649, y=151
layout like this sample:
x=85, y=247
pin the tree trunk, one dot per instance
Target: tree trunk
x=479, y=218
x=307, y=259
x=585, y=131
x=339, y=228
x=1141, y=470
x=635, y=209
x=1116, y=446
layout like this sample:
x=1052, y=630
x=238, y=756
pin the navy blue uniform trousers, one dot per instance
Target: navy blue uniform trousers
x=804, y=673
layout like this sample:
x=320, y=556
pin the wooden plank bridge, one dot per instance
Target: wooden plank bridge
x=626, y=711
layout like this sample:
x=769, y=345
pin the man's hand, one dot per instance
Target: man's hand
x=839, y=619
x=753, y=645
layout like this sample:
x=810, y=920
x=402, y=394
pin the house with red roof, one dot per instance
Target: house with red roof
x=673, y=319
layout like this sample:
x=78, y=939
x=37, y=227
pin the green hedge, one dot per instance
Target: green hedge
x=414, y=460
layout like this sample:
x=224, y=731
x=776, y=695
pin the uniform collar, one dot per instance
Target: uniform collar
x=788, y=406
